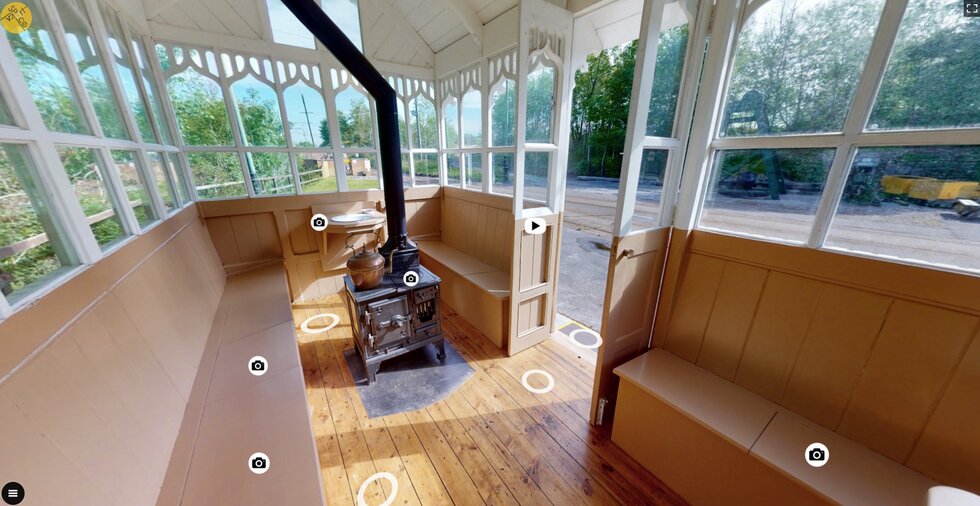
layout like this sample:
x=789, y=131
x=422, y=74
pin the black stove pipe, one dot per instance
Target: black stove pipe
x=334, y=39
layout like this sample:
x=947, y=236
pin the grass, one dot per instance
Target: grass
x=329, y=184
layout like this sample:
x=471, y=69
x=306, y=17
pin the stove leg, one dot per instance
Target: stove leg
x=372, y=371
x=442, y=350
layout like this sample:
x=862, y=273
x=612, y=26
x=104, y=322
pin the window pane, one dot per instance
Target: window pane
x=31, y=248
x=472, y=122
x=931, y=78
x=503, y=110
x=402, y=125
x=5, y=117
x=286, y=29
x=150, y=87
x=119, y=53
x=426, y=169
x=540, y=103
x=422, y=114
x=450, y=121
x=503, y=173
x=85, y=54
x=536, y=179
x=317, y=172
x=354, y=114
x=177, y=176
x=452, y=170
x=258, y=110
x=767, y=192
x=87, y=177
x=649, y=191
x=44, y=70
x=474, y=171
x=159, y=170
x=271, y=173
x=362, y=171
x=797, y=66
x=217, y=175
x=406, y=171
x=135, y=187
x=671, y=48
x=344, y=14
x=200, y=108
x=307, y=117
x=901, y=202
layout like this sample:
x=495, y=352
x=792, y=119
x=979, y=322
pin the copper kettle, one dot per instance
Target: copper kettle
x=367, y=267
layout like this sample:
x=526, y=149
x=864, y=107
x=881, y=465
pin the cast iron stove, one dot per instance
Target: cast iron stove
x=394, y=319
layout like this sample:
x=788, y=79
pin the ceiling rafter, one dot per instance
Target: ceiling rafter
x=471, y=20
x=403, y=25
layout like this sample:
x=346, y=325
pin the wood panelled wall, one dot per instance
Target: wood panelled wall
x=96, y=374
x=248, y=232
x=882, y=353
x=480, y=225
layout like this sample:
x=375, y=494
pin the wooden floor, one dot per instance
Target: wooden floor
x=490, y=442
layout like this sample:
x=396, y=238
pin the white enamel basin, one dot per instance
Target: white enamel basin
x=351, y=218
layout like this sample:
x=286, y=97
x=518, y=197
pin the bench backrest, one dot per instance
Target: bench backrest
x=479, y=225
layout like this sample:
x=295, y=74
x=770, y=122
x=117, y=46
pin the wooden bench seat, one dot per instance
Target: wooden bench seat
x=476, y=290
x=714, y=442
x=233, y=414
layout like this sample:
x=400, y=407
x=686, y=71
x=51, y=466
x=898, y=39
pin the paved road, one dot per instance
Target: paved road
x=582, y=276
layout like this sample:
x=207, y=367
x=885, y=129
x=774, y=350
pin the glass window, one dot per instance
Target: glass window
x=503, y=110
x=649, y=191
x=540, y=103
x=87, y=177
x=797, y=65
x=307, y=117
x=317, y=172
x=931, y=77
x=199, y=106
x=85, y=53
x=362, y=171
x=426, y=169
x=286, y=29
x=258, y=110
x=159, y=170
x=906, y=202
x=5, y=117
x=671, y=48
x=402, y=125
x=422, y=114
x=536, y=166
x=450, y=121
x=472, y=120
x=766, y=192
x=135, y=187
x=150, y=87
x=356, y=124
x=406, y=170
x=31, y=246
x=503, y=173
x=217, y=175
x=474, y=171
x=344, y=14
x=119, y=54
x=452, y=169
x=44, y=69
x=271, y=173
x=179, y=179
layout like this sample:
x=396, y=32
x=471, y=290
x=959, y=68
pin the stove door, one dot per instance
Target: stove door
x=391, y=322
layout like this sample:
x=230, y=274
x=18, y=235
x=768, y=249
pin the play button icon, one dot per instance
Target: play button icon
x=535, y=226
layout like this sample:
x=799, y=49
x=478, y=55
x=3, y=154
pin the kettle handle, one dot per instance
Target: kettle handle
x=377, y=239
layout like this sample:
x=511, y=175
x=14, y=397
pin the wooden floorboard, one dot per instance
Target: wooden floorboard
x=490, y=442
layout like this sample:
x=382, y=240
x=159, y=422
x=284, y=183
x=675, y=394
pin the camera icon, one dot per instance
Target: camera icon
x=411, y=278
x=258, y=463
x=817, y=454
x=318, y=222
x=258, y=365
